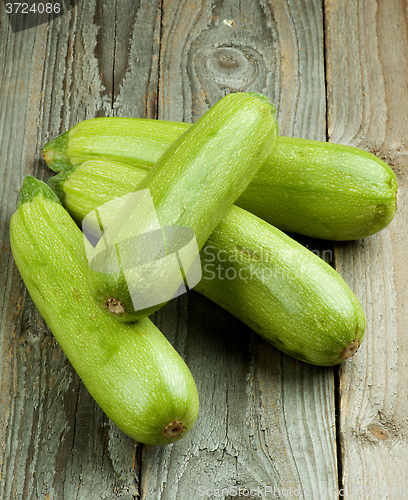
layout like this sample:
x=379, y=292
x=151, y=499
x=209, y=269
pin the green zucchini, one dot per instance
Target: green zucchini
x=280, y=289
x=192, y=186
x=315, y=188
x=131, y=370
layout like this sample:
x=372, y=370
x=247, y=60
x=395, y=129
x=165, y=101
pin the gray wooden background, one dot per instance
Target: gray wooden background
x=337, y=70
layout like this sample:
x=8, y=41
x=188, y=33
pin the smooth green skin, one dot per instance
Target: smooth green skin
x=280, y=289
x=193, y=185
x=131, y=370
x=318, y=189
x=270, y=282
x=323, y=190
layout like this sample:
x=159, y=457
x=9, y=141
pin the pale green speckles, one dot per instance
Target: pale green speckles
x=90, y=339
x=319, y=325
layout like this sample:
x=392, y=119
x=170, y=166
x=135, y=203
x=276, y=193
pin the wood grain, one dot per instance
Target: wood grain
x=256, y=406
x=367, y=70
x=56, y=442
x=265, y=420
x=210, y=49
x=136, y=68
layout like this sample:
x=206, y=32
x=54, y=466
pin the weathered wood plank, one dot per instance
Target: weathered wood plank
x=56, y=443
x=368, y=106
x=265, y=419
x=136, y=68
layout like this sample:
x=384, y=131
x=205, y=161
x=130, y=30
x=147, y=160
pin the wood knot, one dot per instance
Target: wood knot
x=379, y=432
x=235, y=68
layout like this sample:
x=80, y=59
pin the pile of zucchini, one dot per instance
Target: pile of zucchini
x=232, y=182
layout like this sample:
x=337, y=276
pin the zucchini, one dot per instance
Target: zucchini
x=314, y=188
x=280, y=289
x=131, y=370
x=192, y=186
x=277, y=287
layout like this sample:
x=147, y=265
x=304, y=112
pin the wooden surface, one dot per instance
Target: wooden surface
x=337, y=70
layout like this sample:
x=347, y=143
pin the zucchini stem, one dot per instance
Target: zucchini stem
x=174, y=429
x=351, y=349
x=115, y=306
